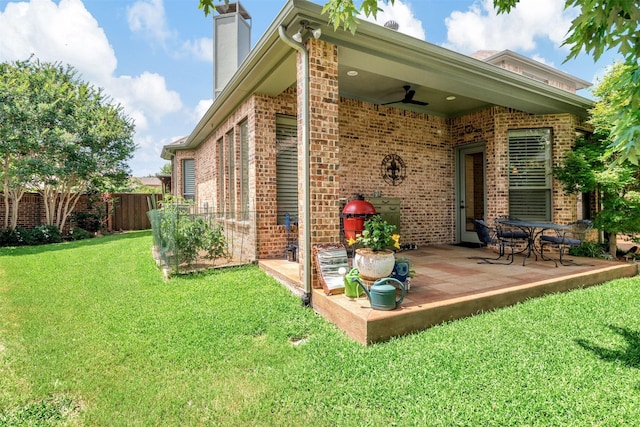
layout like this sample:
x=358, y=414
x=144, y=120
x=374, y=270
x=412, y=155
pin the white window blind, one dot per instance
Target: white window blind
x=188, y=179
x=244, y=166
x=220, y=175
x=286, y=167
x=530, y=174
x=231, y=170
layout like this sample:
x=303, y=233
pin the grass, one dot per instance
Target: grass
x=90, y=334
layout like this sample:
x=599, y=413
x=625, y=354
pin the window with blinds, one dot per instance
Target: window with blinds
x=231, y=170
x=286, y=167
x=244, y=166
x=220, y=174
x=188, y=179
x=530, y=174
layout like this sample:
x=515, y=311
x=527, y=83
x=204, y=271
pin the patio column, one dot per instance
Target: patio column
x=323, y=144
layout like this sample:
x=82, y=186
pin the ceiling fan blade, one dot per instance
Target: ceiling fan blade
x=392, y=102
x=409, y=95
x=408, y=98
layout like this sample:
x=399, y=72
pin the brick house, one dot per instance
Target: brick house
x=309, y=120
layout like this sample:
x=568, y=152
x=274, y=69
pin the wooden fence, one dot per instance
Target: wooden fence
x=131, y=211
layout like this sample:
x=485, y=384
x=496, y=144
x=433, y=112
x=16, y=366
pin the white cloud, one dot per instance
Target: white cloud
x=201, y=109
x=146, y=98
x=481, y=28
x=401, y=13
x=148, y=18
x=201, y=49
x=543, y=60
x=64, y=33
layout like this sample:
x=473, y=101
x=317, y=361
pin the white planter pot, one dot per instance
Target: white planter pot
x=374, y=265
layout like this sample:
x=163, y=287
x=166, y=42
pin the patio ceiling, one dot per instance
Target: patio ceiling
x=386, y=60
x=386, y=85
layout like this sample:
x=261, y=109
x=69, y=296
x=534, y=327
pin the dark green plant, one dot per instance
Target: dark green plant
x=214, y=242
x=14, y=237
x=378, y=235
x=77, y=233
x=44, y=234
x=189, y=236
x=589, y=249
x=86, y=220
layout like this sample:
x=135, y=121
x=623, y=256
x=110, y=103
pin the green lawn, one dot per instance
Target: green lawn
x=90, y=334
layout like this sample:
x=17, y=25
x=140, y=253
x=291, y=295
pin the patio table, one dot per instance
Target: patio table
x=533, y=230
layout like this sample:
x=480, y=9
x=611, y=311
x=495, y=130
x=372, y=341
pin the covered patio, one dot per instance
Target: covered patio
x=448, y=285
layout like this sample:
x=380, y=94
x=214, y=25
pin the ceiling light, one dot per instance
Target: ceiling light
x=352, y=73
x=450, y=98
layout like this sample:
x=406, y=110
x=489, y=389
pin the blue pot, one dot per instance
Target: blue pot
x=401, y=270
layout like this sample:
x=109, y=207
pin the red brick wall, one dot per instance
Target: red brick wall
x=368, y=133
x=31, y=211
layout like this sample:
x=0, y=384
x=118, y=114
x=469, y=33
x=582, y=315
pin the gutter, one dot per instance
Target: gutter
x=306, y=183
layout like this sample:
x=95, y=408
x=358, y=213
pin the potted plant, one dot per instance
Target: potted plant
x=375, y=259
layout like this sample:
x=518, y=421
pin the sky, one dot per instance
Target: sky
x=155, y=57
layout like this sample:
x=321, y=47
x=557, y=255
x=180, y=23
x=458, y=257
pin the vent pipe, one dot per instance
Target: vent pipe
x=392, y=25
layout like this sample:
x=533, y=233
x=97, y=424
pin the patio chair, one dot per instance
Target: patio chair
x=509, y=232
x=513, y=236
x=291, y=250
x=563, y=239
x=488, y=237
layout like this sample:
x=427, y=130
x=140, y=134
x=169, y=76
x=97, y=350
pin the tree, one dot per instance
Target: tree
x=588, y=168
x=74, y=140
x=601, y=25
x=166, y=169
x=15, y=145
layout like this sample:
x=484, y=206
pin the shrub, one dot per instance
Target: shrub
x=44, y=234
x=77, y=233
x=87, y=221
x=589, y=249
x=14, y=237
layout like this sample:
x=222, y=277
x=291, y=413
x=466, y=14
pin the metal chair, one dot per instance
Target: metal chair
x=513, y=236
x=291, y=250
x=570, y=236
x=488, y=237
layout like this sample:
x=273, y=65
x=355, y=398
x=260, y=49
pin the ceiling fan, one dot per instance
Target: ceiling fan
x=408, y=97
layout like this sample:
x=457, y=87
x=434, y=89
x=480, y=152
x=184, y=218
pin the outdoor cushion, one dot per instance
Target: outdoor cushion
x=559, y=240
x=512, y=234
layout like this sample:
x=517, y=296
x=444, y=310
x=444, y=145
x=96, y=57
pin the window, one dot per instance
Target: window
x=221, y=176
x=286, y=167
x=231, y=170
x=244, y=167
x=188, y=179
x=530, y=174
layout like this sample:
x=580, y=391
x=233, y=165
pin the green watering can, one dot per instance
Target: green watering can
x=382, y=293
x=352, y=288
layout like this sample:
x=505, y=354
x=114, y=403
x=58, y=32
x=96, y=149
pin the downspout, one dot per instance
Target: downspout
x=306, y=183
